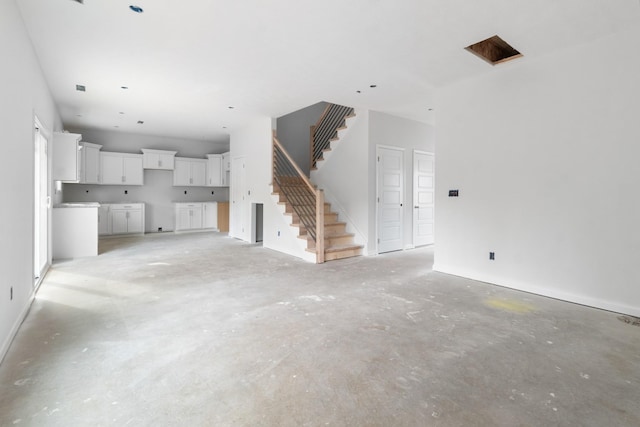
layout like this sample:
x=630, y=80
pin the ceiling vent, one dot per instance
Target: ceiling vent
x=81, y=88
x=494, y=50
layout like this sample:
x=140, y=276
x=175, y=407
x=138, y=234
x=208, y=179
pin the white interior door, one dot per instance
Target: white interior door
x=423, y=198
x=41, y=204
x=390, y=177
x=240, y=226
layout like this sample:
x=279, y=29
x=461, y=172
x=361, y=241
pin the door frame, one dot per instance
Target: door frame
x=39, y=271
x=377, y=195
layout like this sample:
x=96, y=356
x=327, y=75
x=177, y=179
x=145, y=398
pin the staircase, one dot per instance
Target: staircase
x=338, y=243
x=327, y=131
x=318, y=228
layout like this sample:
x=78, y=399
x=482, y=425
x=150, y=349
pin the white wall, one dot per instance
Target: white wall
x=346, y=179
x=158, y=192
x=388, y=130
x=24, y=93
x=294, y=133
x=545, y=155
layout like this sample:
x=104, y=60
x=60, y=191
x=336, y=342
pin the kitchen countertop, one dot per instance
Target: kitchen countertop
x=78, y=205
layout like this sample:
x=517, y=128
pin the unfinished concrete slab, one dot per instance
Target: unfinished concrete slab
x=200, y=330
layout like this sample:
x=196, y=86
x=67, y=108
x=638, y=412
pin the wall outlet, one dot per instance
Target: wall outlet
x=159, y=229
x=126, y=191
x=185, y=191
x=453, y=193
x=492, y=255
x=278, y=233
x=11, y=294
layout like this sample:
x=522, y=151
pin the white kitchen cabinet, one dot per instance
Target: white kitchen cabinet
x=226, y=161
x=214, y=170
x=121, y=169
x=65, y=157
x=210, y=215
x=226, y=169
x=188, y=216
x=89, y=163
x=158, y=159
x=127, y=218
x=190, y=172
x=104, y=220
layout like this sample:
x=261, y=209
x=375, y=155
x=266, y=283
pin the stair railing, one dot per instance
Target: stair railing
x=326, y=129
x=306, y=200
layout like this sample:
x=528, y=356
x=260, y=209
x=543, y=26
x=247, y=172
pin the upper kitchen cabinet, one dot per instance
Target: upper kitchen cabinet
x=89, y=163
x=214, y=170
x=158, y=159
x=121, y=169
x=226, y=169
x=190, y=172
x=65, y=157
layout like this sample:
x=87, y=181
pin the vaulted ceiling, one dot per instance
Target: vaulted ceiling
x=201, y=68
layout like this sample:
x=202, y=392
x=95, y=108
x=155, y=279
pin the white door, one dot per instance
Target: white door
x=423, y=198
x=41, y=199
x=240, y=226
x=390, y=177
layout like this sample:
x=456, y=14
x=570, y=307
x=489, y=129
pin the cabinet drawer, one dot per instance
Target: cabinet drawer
x=119, y=206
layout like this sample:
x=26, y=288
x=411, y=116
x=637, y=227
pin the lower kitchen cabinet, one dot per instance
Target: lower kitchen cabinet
x=121, y=218
x=196, y=216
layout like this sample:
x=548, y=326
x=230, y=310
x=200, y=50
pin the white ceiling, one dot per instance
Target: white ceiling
x=185, y=63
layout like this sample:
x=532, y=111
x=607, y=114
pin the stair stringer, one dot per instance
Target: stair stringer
x=342, y=133
x=292, y=245
x=359, y=238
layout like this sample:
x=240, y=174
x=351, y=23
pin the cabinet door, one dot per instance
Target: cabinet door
x=226, y=162
x=214, y=171
x=65, y=157
x=134, y=221
x=196, y=218
x=150, y=160
x=181, y=172
x=91, y=165
x=210, y=215
x=103, y=220
x=166, y=161
x=199, y=173
x=183, y=219
x=133, y=171
x=111, y=165
x=119, y=221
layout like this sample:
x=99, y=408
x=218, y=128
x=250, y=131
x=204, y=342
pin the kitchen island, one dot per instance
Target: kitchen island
x=75, y=230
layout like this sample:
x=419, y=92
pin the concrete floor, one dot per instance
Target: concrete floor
x=203, y=330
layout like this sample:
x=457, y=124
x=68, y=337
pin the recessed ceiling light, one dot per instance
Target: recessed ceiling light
x=81, y=88
x=358, y=91
x=79, y=1
x=224, y=127
x=78, y=115
x=124, y=87
x=136, y=9
x=372, y=86
x=231, y=108
x=116, y=126
x=140, y=122
x=430, y=109
x=121, y=112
